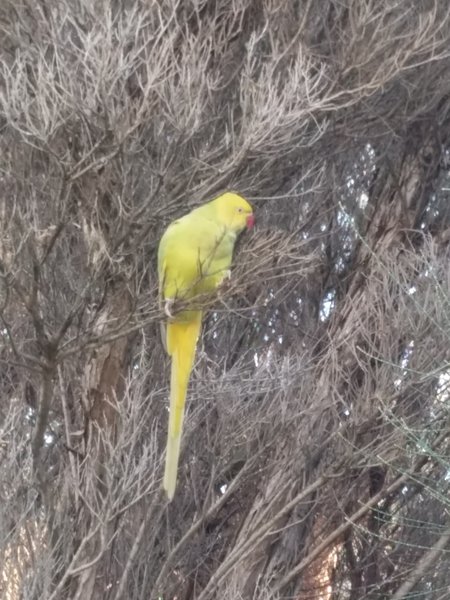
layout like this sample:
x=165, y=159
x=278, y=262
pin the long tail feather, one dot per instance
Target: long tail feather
x=181, y=343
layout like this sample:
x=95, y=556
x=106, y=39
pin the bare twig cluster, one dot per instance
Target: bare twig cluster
x=315, y=458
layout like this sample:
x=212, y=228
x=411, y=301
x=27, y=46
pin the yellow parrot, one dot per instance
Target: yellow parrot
x=194, y=257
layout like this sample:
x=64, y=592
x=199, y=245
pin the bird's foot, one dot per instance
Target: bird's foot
x=168, y=305
x=224, y=286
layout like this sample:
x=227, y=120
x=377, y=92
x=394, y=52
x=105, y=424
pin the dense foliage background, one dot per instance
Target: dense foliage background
x=316, y=459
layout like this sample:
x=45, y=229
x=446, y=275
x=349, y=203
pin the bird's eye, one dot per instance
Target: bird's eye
x=239, y=210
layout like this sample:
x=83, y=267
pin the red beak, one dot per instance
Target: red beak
x=250, y=221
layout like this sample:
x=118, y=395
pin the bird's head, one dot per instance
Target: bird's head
x=234, y=212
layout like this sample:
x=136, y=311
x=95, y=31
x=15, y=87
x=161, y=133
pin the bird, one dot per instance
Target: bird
x=194, y=258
